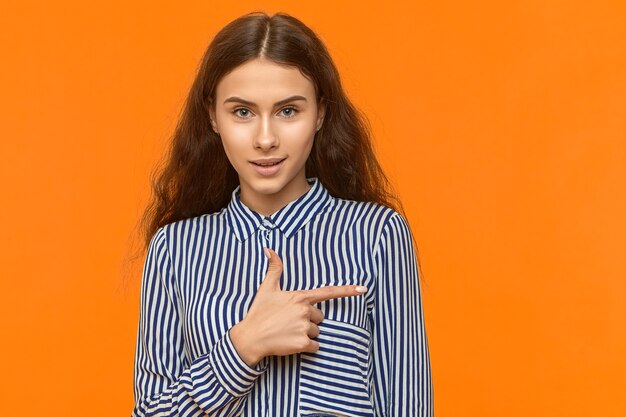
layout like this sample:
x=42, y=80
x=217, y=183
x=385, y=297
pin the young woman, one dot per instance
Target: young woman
x=280, y=279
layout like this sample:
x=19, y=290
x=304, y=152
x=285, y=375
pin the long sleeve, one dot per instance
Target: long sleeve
x=401, y=374
x=166, y=383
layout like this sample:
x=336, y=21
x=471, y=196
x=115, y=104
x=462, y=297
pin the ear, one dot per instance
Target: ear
x=321, y=112
x=212, y=117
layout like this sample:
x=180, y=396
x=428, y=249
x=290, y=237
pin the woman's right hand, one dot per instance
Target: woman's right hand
x=283, y=322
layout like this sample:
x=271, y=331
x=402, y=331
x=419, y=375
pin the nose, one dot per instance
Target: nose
x=265, y=138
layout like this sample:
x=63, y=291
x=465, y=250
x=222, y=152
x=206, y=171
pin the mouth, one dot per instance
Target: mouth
x=269, y=167
x=268, y=164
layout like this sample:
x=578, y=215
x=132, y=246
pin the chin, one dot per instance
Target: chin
x=268, y=189
x=266, y=185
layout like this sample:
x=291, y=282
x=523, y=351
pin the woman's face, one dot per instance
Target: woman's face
x=266, y=111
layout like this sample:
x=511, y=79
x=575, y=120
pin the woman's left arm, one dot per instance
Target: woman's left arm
x=401, y=377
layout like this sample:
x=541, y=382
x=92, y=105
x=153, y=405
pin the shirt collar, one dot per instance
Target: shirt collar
x=289, y=219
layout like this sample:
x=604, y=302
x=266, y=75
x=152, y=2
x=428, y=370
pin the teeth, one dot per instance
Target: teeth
x=270, y=164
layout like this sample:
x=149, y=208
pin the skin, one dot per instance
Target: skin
x=258, y=127
x=257, y=116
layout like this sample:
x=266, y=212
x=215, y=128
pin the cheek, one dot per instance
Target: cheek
x=236, y=132
x=235, y=137
x=299, y=132
x=233, y=150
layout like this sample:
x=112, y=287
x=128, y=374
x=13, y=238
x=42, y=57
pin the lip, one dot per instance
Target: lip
x=266, y=160
x=267, y=171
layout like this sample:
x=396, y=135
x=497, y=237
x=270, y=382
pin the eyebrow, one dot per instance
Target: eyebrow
x=278, y=103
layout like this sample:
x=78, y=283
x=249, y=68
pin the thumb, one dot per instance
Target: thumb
x=274, y=270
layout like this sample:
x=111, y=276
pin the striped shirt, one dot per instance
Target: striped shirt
x=200, y=277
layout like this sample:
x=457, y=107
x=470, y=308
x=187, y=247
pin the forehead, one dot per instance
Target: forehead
x=260, y=79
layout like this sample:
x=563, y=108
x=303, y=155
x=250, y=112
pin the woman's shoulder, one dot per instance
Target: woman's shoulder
x=196, y=225
x=364, y=214
x=365, y=209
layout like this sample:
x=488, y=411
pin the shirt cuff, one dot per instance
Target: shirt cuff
x=235, y=375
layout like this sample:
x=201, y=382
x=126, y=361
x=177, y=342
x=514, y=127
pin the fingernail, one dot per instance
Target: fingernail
x=267, y=253
x=361, y=289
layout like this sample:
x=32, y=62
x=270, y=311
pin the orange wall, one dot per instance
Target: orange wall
x=502, y=123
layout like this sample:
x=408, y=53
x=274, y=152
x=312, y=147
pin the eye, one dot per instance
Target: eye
x=288, y=112
x=242, y=113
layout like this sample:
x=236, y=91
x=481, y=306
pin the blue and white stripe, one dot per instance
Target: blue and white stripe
x=200, y=277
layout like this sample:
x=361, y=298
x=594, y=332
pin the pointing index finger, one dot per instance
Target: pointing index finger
x=333, y=291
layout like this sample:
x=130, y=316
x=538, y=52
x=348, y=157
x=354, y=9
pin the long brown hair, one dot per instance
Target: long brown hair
x=197, y=177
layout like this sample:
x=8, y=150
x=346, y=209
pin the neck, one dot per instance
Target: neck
x=268, y=204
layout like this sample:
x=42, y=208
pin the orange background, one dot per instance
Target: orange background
x=503, y=125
